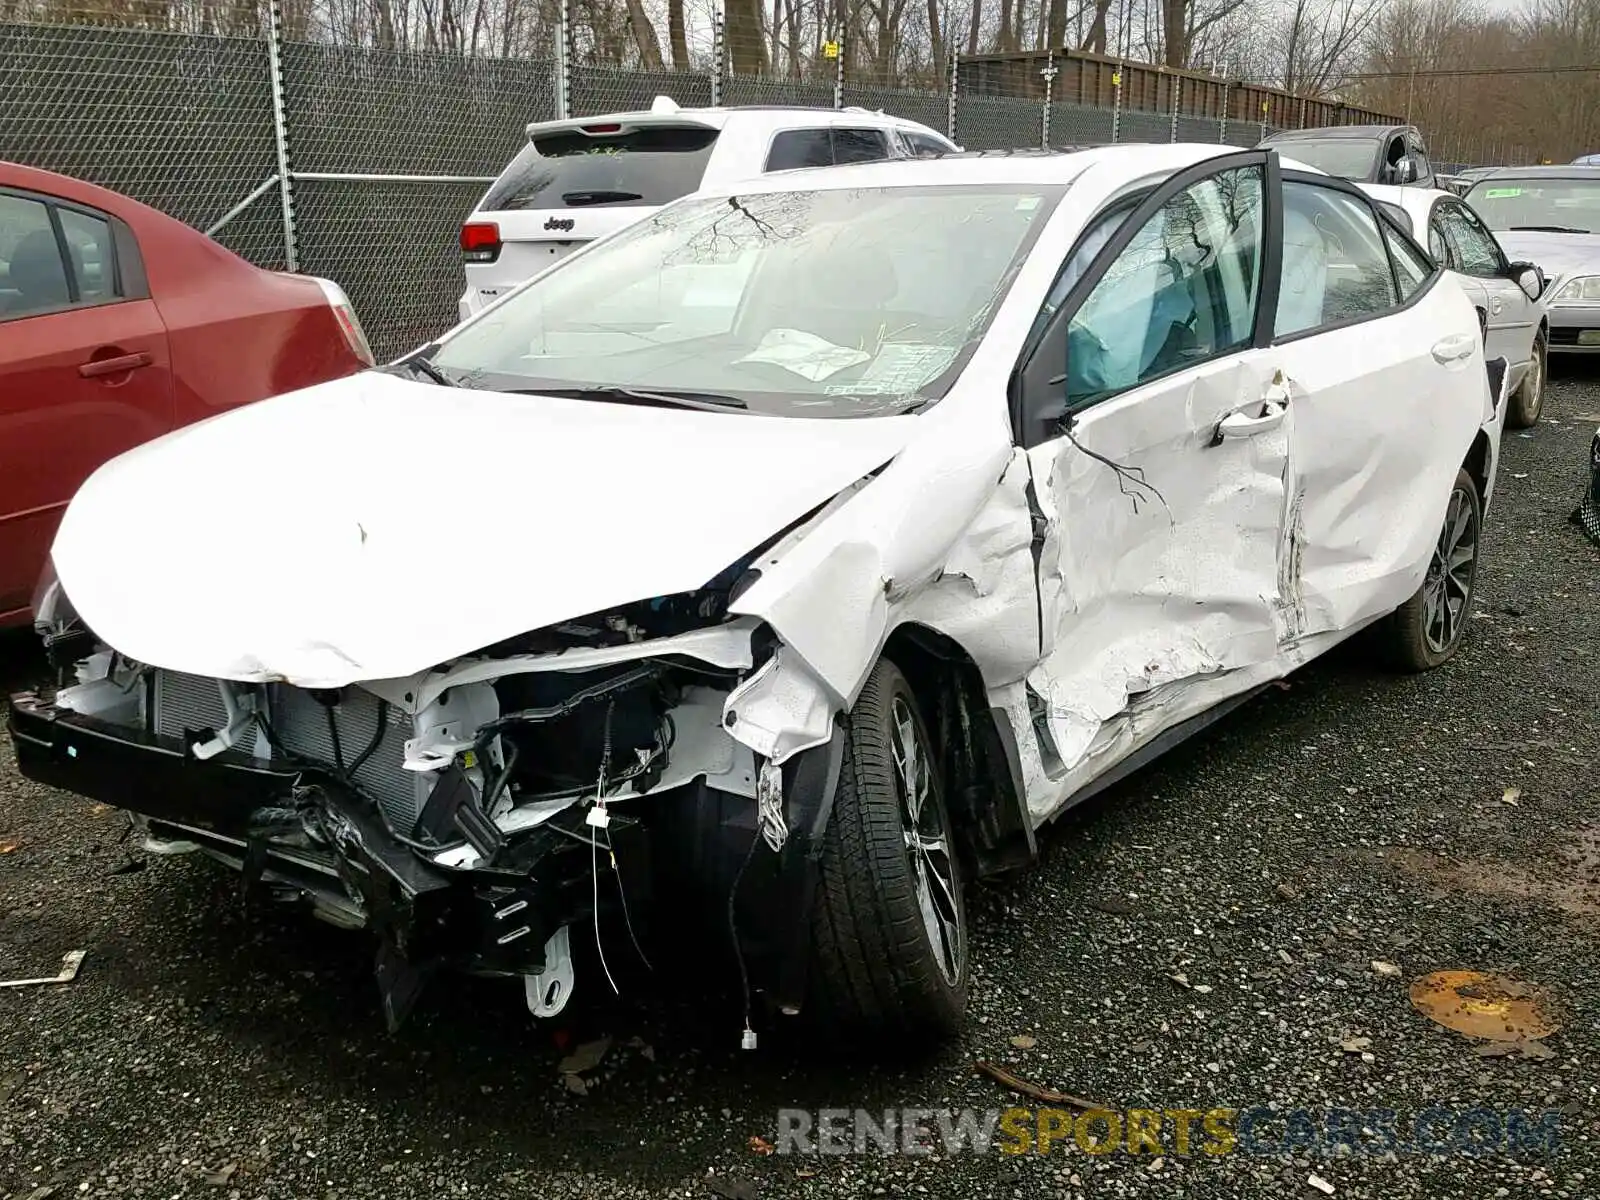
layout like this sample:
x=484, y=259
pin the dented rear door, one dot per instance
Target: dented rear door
x=1385, y=383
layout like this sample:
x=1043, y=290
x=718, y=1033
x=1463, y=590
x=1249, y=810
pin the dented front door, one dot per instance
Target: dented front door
x=1162, y=556
x=1162, y=499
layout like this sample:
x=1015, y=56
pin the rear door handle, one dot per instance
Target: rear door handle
x=1454, y=349
x=97, y=368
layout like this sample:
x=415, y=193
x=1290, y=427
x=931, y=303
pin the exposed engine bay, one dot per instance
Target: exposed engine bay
x=472, y=816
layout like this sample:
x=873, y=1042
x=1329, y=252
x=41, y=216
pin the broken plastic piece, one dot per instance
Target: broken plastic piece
x=549, y=990
x=70, y=962
x=241, y=720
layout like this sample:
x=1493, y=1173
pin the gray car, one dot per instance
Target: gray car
x=1551, y=216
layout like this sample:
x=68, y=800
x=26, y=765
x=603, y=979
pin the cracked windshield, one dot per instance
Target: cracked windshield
x=853, y=302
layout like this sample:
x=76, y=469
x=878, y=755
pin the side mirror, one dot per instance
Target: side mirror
x=1405, y=171
x=1529, y=278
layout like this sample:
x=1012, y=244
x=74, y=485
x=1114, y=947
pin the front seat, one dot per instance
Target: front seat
x=37, y=274
x=1305, y=274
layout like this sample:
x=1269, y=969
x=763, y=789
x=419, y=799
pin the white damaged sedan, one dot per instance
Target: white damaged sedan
x=773, y=568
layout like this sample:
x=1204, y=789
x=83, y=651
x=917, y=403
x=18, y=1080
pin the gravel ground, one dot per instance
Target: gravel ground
x=1348, y=818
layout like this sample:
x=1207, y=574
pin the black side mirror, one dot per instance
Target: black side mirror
x=1529, y=278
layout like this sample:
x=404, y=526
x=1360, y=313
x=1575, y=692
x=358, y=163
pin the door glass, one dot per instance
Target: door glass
x=33, y=277
x=859, y=145
x=1480, y=255
x=93, y=263
x=1410, y=268
x=1335, y=266
x=1183, y=291
x=794, y=148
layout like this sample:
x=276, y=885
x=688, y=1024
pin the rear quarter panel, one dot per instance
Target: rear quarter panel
x=238, y=333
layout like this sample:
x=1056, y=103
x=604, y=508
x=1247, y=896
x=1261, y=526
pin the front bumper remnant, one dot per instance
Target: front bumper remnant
x=689, y=862
x=302, y=837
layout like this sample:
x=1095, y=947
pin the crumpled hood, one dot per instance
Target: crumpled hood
x=1559, y=255
x=374, y=527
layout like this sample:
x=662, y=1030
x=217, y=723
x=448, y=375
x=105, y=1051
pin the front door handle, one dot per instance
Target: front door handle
x=1241, y=424
x=121, y=364
x=1495, y=305
x=1454, y=349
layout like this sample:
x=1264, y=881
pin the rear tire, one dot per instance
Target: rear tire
x=1522, y=411
x=889, y=929
x=1426, y=631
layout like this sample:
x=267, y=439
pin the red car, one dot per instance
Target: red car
x=118, y=324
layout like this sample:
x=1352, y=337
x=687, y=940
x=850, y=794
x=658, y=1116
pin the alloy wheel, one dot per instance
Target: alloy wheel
x=927, y=841
x=1534, y=383
x=1447, y=590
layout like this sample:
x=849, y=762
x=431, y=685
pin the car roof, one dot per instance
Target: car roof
x=988, y=168
x=1323, y=132
x=666, y=111
x=1565, y=171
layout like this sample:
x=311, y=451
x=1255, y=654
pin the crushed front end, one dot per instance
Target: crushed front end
x=587, y=781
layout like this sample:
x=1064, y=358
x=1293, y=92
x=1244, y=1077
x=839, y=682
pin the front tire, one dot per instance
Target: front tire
x=889, y=929
x=1428, y=629
x=1528, y=400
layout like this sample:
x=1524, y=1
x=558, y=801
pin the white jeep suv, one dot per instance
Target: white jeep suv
x=580, y=179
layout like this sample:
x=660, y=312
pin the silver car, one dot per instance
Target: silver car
x=1551, y=216
x=1509, y=295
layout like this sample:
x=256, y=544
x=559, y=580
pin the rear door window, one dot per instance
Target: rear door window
x=568, y=168
x=860, y=145
x=796, y=148
x=93, y=259
x=34, y=278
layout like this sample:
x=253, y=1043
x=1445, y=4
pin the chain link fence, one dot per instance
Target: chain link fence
x=359, y=163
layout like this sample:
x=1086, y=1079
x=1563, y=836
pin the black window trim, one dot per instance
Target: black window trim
x=1444, y=236
x=129, y=281
x=1031, y=429
x=1366, y=201
x=1388, y=230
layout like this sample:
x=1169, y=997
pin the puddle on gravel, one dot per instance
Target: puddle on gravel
x=1568, y=880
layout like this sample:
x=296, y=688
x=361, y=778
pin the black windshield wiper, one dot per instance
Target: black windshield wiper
x=418, y=364
x=1547, y=229
x=597, y=196
x=708, y=401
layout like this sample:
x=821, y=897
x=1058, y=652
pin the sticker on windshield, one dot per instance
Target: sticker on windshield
x=1500, y=193
x=905, y=366
x=1027, y=203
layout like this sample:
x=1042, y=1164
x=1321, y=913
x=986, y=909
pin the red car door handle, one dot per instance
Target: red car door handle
x=120, y=365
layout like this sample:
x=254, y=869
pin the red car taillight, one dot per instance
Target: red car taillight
x=349, y=324
x=480, y=241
